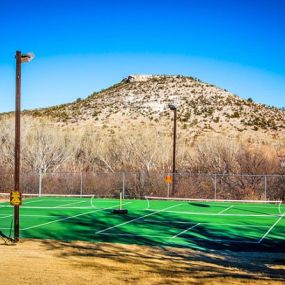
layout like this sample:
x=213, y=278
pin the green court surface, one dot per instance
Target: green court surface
x=202, y=225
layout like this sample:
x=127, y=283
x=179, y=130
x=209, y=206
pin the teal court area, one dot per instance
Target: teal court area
x=158, y=222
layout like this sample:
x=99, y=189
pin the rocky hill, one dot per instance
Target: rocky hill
x=141, y=101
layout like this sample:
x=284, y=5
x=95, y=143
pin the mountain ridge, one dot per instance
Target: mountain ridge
x=142, y=101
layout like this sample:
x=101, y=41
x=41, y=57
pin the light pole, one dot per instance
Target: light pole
x=174, y=109
x=20, y=58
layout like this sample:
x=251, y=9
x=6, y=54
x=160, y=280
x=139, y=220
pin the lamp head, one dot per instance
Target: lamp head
x=27, y=57
x=172, y=107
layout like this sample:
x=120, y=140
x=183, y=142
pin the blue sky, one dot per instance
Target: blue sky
x=84, y=46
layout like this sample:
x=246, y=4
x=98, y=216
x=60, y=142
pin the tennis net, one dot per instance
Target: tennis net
x=211, y=207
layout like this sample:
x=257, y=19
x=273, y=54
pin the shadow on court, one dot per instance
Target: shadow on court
x=199, y=205
x=157, y=230
x=246, y=258
x=231, y=248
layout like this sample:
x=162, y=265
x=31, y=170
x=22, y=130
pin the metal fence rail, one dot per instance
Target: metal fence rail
x=139, y=184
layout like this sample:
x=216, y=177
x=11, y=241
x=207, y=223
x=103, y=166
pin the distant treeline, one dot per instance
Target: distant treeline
x=51, y=148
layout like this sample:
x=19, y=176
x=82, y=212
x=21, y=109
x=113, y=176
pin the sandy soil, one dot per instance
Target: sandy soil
x=52, y=262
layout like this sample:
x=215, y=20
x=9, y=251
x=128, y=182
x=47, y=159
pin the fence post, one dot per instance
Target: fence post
x=168, y=189
x=141, y=184
x=123, y=189
x=40, y=182
x=265, y=187
x=81, y=184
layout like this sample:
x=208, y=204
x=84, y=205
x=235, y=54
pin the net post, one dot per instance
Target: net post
x=121, y=201
x=120, y=211
x=168, y=189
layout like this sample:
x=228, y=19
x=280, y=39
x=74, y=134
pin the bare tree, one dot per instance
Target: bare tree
x=45, y=147
x=7, y=145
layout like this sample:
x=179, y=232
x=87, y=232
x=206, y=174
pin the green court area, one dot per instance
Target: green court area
x=178, y=223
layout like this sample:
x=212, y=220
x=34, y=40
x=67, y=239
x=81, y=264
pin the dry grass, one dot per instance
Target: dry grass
x=53, y=262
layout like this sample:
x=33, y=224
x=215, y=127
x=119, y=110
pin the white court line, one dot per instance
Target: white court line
x=37, y=216
x=32, y=201
x=134, y=235
x=73, y=200
x=215, y=214
x=40, y=199
x=73, y=203
x=61, y=207
x=225, y=209
x=167, y=222
x=106, y=201
x=260, y=206
x=265, y=235
x=222, y=212
x=248, y=206
x=218, y=224
x=7, y=216
x=70, y=217
x=24, y=202
x=234, y=225
x=139, y=218
x=190, y=228
x=56, y=207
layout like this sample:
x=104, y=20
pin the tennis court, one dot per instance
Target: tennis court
x=151, y=221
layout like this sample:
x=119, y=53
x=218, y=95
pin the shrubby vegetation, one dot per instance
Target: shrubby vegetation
x=51, y=149
x=196, y=101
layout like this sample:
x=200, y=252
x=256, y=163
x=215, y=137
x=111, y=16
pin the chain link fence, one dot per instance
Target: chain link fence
x=141, y=184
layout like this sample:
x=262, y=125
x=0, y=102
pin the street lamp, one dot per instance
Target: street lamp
x=16, y=194
x=174, y=109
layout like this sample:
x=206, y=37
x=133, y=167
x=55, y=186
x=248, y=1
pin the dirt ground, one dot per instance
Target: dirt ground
x=52, y=262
